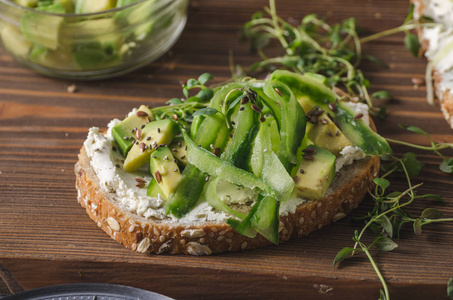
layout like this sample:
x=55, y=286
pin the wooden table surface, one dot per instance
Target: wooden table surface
x=46, y=238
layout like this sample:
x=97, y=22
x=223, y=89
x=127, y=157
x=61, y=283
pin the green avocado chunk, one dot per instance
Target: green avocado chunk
x=93, y=6
x=165, y=170
x=153, y=135
x=43, y=29
x=178, y=148
x=315, y=174
x=327, y=135
x=15, y=42
x=154, y=189
x=123, y=131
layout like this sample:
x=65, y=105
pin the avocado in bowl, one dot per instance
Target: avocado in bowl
x=85, y=39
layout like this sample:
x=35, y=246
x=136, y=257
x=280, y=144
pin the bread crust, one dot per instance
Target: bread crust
x=445, y=97
x=154, y=236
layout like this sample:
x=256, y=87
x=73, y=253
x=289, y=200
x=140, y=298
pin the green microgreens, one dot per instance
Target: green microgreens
x=388, y=215
x=335, y=51
x=183, y=110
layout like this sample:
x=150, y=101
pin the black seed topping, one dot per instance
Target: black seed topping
x=148, y=138
x=182, y=157
x=233, y=123
x=231, y=135
x=309, y=157
x=153, y=156
x=96, y=150
x=114, y=148
x=301, y=171
x=117, y=165
x=309, y=150
x=329, y=133
x=337, y=133
x=217, y=151
x=143, y=126
x=166, y=157
x=262, y=119
x=175, y=170
x=125, y=138
x=158, y=129
x=241, y=108
x=179, y=144
x=244, y=100
x=207, y=178
x=174, y=150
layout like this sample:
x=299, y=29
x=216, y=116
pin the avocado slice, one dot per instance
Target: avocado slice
x=43, y=29
x=55, y=59
x=178, y=148
x=15, y=42
x=154, y=189
x=327, y=135
x=315, y=173
x=93, y=6
x=123, y=129
x=153, y=135
x=165, y=170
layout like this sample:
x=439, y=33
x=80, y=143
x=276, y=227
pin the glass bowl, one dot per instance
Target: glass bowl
x=94, y=45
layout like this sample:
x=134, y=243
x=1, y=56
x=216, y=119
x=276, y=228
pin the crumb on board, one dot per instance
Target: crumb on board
x=72, y=88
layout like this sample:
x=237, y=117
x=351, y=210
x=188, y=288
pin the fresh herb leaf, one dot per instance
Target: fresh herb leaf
x=431, y=213
x=382, y=183
x=450, y=288
x=418, y=227
x=384, y=243
x=205, y=77
x=412, y=43
x=414, y=129
x=192, y=82
x=384, y=221
x=412, y=165
x=382, y=95
x=447, y=166
x=342, y=254
x=205, y=111
x=174, y=101
x=433, y=197
x=205, y=94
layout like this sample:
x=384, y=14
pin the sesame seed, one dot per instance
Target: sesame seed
x=278, y=92
x=207, y=178
x=148, y=120
x=179, y=144
x=174, y=150
x=125, y=138
x=329, y=133
x=96, y=150
x=166, y=157
x=233, y=123
x=212, y=146
x=175, y=170
x=323, y=121
x=158, y=129
x=265, y=150
x=143, y=126
x=182, y=157
x=301, y=171
x=148, y=138
x=153, y=156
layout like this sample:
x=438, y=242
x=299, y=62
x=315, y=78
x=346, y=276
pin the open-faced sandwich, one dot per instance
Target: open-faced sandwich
x=437, y=45
x=242, y=166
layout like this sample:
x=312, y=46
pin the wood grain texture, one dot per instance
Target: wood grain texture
x=46, y=238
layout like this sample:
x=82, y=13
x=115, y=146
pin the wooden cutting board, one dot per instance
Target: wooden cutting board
x=46, y=238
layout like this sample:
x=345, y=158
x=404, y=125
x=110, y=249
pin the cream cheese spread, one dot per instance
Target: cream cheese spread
x=107, y=164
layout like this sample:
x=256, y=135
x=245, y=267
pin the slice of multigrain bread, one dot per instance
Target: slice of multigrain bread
x=433, y=41
x=158, y=236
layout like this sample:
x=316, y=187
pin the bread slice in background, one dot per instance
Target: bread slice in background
x=433, y=41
